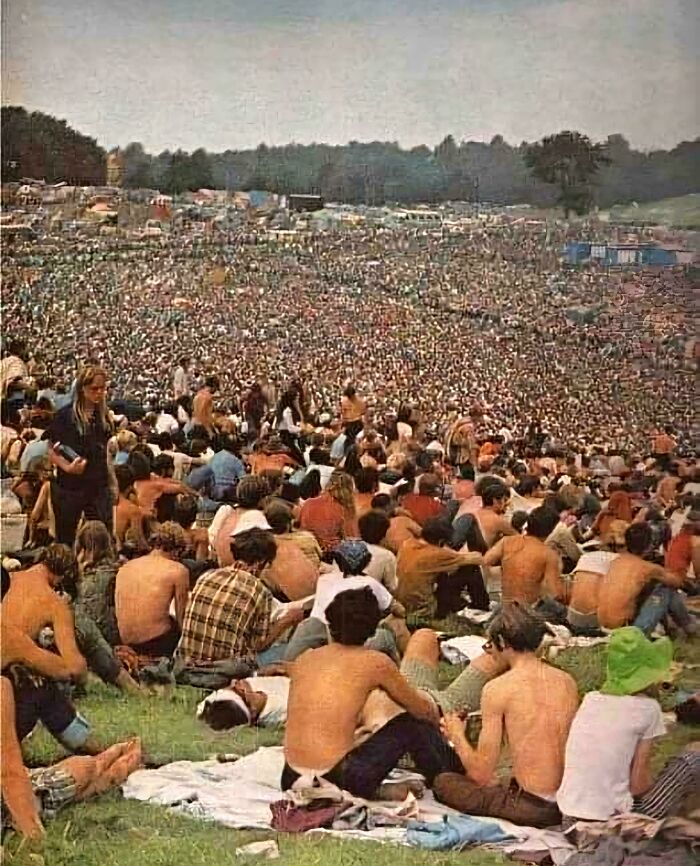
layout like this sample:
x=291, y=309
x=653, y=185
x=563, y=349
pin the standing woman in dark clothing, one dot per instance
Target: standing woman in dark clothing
x=79, y=434
x=288, y=418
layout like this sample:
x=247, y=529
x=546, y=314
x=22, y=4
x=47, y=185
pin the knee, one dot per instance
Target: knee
x=423, y=645
x=444, y=786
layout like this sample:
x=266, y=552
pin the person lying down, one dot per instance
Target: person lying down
x=254, y=701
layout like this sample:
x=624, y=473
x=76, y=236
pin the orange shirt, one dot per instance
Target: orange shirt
x=417, y=568
x=363, y=503
x=401, y=528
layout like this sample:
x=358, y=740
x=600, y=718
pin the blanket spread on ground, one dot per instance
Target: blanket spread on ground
x=238, y=795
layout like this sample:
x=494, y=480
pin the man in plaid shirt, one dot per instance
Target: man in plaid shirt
x=228, y=614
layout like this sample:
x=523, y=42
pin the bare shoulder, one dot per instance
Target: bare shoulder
x=375, y=665
x=562, y=679
x=500, y=689
x=180, y=571
x=58, y=606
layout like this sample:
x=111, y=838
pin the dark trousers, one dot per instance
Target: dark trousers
x=362, y=770
x=70, y=505
x=509, y=802
x=291, y=443
x=163, y=645
x=42, y=700
x=351, y=431
x=450, y=587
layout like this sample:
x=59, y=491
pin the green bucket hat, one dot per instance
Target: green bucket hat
x=635, y=663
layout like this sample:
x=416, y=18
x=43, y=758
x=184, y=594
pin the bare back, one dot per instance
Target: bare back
x=523, y=566
x=202, y=408
x=30, y=604
x=329, y=688
x=493, y=526
x=145, y=589
x=585, y=592
x=539, y=703
x=620, y=589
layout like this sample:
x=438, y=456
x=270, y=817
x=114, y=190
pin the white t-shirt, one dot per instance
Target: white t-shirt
x=382, y=566
x=596, y=561
x=331, y=584
x=165, y=423
x=275, y=710
x=277, y=690
x=602, y=741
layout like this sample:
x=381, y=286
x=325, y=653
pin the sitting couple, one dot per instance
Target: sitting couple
x=352, y=715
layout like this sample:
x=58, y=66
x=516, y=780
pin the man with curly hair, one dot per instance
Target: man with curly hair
x=145, y=589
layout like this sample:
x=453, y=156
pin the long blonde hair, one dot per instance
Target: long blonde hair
x=86, y=376
x=93, y=544
x=342, y=488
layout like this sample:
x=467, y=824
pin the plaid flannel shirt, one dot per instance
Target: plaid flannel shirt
x=227, y=616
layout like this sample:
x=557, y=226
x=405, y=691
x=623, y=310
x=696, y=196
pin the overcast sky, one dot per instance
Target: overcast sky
x=232, y=73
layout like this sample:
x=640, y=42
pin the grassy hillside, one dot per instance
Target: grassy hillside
x=682, y=212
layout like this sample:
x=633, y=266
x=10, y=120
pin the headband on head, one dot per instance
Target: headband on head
x=229, y=695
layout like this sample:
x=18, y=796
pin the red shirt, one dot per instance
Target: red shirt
x=422, y=507
x=328, y=520
x=680, y=554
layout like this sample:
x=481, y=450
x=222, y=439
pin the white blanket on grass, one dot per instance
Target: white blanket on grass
x=239, y=795
x=462, y=650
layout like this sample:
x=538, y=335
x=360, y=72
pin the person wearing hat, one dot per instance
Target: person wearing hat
x=607, y=764
x=350, y=557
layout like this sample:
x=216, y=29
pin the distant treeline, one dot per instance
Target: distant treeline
x=38, y=145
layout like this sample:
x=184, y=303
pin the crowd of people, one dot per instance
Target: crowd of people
x=440, y=322
x=356, y=441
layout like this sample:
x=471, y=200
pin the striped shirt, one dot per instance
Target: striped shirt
x=227, y=617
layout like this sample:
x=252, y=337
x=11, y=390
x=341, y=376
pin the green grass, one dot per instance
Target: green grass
x=116, y=832
x=682, y=212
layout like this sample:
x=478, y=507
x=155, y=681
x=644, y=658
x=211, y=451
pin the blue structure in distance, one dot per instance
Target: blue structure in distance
x=620, y=255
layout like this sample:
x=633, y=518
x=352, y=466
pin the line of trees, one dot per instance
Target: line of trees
x=40, y=146
x=567, y=168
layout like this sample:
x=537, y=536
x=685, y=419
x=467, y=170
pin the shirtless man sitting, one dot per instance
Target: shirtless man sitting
x=534, y=705
x=530, y=569
x=145, y=589
x=31, y=604
x=291, y=575
x=589, y=571
x=490, y=516
x=129, y=517
x=628, y=594
x=329, y=688
x=150, y=487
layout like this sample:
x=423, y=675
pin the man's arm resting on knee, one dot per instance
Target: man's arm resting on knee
x=413, y=701
x=480, y=763
x=19, y=648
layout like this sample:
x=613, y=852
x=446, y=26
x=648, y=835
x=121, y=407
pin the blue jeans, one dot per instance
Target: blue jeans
x=271, y=655
x=663, y=601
